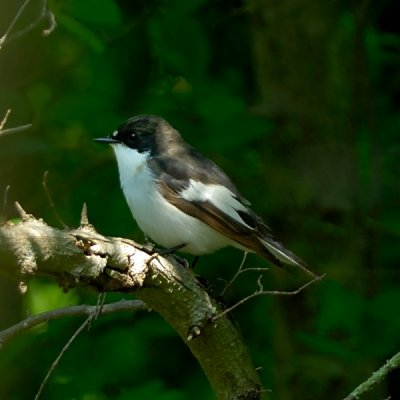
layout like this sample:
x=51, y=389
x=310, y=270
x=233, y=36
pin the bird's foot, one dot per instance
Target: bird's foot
x=170, y=251
x=194, y=262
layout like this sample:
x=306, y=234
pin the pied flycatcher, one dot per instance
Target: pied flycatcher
x=179, y=198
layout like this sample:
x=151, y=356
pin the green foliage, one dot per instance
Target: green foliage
x=299, y=107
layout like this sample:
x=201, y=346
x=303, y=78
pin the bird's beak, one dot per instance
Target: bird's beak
x=106, y=140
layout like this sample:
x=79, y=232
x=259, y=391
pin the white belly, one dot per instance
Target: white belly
x=157, y=218
x=169, y=227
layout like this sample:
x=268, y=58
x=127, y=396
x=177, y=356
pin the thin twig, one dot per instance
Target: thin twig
x=44, y=13
x=52, y=25
x=101, y=298
x=262, y=292
x=375, y=378
x=11, y=130
x=7, y=37
x=13, y=22
x=4, y=120
x=93, y=314
x=240, y=271
x=51, y=202
x=16, y=129
x=58, y=358
x=72, y=311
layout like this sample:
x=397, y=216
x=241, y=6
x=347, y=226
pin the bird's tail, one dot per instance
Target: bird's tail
x=280, y=253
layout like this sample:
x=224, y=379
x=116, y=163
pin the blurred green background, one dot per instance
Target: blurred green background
x=296, y=100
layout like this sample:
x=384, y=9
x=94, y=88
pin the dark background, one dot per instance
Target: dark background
x=296, y=100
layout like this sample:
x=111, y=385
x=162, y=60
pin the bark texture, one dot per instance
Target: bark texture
x=82, y=257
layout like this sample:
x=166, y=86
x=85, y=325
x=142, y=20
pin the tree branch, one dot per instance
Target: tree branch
x=73, y=311
x=82, y=257
x=375, y=378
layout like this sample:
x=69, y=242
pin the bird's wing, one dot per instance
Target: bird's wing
x=221, y=207
x=217, y=207
x=212, y=198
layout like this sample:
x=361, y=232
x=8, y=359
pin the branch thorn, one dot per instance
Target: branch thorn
x=84, y=223
x=22, y=213
x=84, y=215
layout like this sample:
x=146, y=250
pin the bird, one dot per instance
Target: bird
x=183, y=200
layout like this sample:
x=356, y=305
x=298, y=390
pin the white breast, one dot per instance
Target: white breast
x=156, y=217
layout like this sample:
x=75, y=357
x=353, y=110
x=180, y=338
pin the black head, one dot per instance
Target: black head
x=142, y=133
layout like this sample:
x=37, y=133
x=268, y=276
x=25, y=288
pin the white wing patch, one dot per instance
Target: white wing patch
x=219, y=196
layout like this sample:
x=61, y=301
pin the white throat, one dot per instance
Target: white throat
x=131, y=164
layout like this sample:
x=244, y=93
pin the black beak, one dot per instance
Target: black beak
x=106, y=140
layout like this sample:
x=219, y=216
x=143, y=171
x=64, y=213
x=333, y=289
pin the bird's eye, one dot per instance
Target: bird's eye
x=130, y=138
